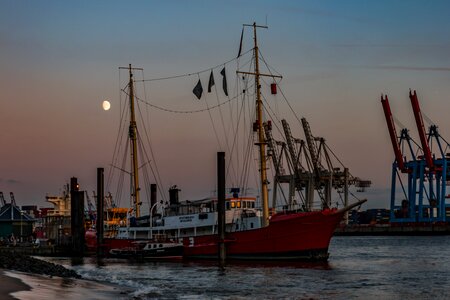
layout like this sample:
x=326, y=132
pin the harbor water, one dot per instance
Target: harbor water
x=358, y=268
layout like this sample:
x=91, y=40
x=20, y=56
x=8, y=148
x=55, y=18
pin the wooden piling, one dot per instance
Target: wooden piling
x=77, y=218
x=100, y=209
x=221, y=205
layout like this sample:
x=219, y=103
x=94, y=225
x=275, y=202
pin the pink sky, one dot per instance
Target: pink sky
x=60, y=61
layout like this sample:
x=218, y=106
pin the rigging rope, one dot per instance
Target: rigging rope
x=183, y=111
x=117, y=150
x=155, y=172
x=157, y=176
x=194, y=73
x=212, y=121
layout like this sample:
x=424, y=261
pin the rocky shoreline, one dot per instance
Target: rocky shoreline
x=25, y=263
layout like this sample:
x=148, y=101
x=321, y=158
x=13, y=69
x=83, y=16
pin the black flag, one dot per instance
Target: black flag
x=240, y=45
x=198, y=90
x=224, y=82
x=211, y=82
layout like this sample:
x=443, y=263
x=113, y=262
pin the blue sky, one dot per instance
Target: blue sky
x=59, y=61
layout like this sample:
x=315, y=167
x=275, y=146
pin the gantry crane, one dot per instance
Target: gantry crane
x=323, y=177
x=326, y=176
x=302, y=177
x=298, y=178
x=311, y=170
x=424, y=194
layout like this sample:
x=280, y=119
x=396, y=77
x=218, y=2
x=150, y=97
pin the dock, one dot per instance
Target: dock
x=400, y=229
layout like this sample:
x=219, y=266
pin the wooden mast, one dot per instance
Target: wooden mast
x=260, y=129
x=261, y=139
x=133, y=143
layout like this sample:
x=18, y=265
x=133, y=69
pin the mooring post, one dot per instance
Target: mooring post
x=221, y=205
x=100, y=209
x=77, y=217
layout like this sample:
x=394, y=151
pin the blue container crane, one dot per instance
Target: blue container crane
x=424, y=194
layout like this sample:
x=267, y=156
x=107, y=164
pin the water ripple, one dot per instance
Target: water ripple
x=358, y=268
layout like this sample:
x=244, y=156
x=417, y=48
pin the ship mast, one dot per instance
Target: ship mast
x=133, y=143
x=260, y=129
x=261, y=140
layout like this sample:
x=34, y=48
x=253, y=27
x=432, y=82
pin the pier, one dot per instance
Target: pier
x=394, y=229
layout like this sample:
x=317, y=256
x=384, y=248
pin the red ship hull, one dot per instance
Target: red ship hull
x=297, y=236
x=294, y=236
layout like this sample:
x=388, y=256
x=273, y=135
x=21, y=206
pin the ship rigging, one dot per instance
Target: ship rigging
x=310, y=167
x=294, y=230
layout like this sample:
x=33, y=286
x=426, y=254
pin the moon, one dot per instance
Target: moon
x=106, y=105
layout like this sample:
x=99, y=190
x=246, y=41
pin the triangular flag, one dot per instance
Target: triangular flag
x=211, y=82
x=240, y=44
x=224, y=82
x=198, y=90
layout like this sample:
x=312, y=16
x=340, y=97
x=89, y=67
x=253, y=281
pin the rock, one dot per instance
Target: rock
x=25, y=263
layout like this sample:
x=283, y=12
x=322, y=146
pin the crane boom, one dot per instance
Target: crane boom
x=421, y=129
x=89, y=203
x=272, y=147
x=393, y=134
x=311, y=146
x=291, y=147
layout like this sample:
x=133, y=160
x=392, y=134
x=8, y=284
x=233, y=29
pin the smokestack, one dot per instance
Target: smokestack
x=152, y=195
x=173, y=195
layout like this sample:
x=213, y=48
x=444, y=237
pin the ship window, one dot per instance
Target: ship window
x=244, y=204
x=251, y=225
x=227, y=204
x=233, y=204
x=253, y=205
x=238, y=204
x=237, y=226
x=160, y=245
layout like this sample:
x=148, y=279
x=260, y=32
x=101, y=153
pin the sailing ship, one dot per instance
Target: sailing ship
x=297, y=231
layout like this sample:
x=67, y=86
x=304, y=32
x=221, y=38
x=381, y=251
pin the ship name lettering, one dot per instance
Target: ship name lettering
x=186, y=218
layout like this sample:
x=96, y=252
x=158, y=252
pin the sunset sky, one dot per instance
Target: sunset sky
x=59, y=60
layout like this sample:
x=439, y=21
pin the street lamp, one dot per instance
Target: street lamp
x=151, y=219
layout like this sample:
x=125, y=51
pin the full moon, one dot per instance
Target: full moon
x=106, y=105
